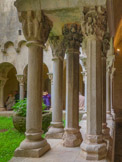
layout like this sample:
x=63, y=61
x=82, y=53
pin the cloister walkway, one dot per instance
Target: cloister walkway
x=58, y=153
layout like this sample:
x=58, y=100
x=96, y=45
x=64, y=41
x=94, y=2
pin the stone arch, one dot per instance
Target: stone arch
x=5, y=46
x=8, y=72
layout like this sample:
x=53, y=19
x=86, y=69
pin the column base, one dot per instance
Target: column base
x=32, y=148
x=72, y=138
x=105, y=131
x=84, y=116
x=55, y=131
x=93, y=148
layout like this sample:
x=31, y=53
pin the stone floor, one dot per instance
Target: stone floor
x=58, y=153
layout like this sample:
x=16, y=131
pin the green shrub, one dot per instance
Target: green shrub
x=19, y=123
x=46, y=119
x=21, y=106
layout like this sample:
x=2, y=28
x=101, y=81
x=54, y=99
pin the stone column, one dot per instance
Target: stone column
x=50, y=75
x=21, y=80
x=36, y=27
x=105, y=48
x=83, y=60
x=56, y=129
x=93, y=146
x=72, y=37
x=109, y=64
x=111, y=90
x=108, y=102
x=2, y=84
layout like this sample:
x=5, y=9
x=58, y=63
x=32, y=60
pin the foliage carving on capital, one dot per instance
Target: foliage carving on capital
x=94, y=21
x=21, y=79
x=57, y=46
x=36, y=26
x=105, y=44
x=72, y=36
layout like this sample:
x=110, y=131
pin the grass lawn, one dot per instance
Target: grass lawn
x=9, y=140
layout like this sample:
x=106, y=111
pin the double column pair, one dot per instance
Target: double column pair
x=71, y=40
x=94, y=27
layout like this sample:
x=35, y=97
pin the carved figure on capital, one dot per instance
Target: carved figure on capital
x=72, y=36
x=94, y=21
x=36, y=26
x=105, y=44
x=57, y=46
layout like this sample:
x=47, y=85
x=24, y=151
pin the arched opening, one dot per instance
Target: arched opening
x=8, y=75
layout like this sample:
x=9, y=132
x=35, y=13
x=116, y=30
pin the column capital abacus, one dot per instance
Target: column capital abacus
x=21, y=79
x=72, y=37
x=57, y=46
x=94, y=22
x=36, y=27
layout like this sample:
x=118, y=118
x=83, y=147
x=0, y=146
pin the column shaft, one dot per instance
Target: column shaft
x=56, y=130
x=72, y=84
x=34, y=145
x=108, y=101
x=21, y=91
x=72, y=136
x=34, y=89
x=94, y=107
x=1, y=97
x=93, y=146
x=105, y=129
x=57, y=91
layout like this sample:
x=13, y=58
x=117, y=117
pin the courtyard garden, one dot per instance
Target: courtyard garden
x=10, y=139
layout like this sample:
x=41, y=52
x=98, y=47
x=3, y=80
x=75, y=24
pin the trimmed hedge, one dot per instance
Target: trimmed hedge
x=20, y=122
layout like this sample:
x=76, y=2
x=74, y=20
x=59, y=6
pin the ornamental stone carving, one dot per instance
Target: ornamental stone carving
x=72, y=36
x=36, y=26
x=50, y=75
x=57, y=46
x=21, y=79
x=105, y=44
x=94, y=21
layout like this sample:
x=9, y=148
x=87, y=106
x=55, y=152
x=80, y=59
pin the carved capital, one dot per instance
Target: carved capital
x=36, y=26
x=83, y=60
x=72, y=36
x=50, y=75
x=57, y=46
x=21, y=79
x=110, y=61
x=105, y=44
x=94, y=21
x=84, y=73
x=112, y=72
